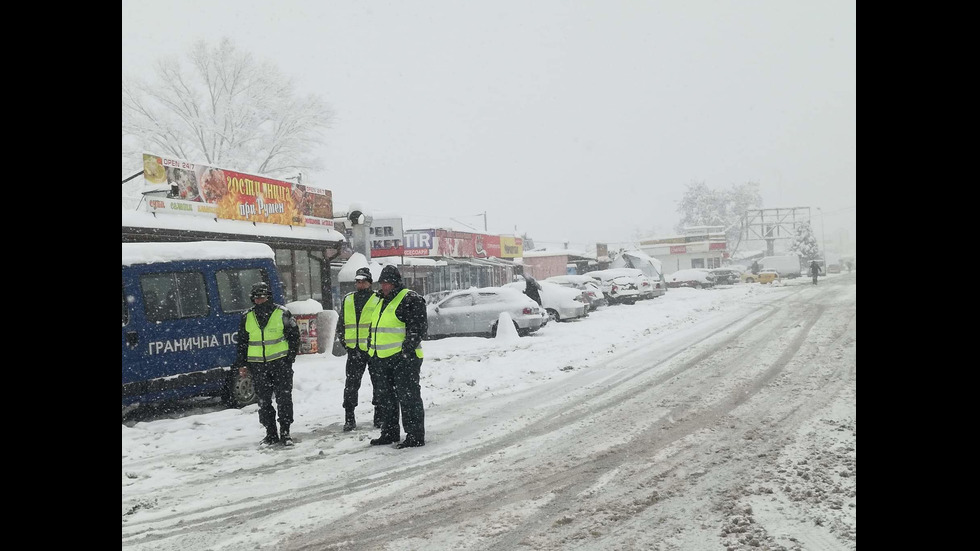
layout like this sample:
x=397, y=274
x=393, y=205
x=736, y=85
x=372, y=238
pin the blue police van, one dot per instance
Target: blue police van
x=181, y=306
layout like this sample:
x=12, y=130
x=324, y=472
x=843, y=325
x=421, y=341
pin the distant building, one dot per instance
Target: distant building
x=541, y=264
x=698, y=247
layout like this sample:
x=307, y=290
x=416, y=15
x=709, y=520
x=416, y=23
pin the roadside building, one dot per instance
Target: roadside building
x=544, y=263
x=699, y=247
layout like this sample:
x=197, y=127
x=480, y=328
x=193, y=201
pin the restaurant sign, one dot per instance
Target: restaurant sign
x=194, y=188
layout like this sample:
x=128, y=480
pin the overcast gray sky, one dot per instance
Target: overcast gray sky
x=576, y=121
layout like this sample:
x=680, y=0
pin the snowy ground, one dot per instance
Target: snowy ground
x=704, y=419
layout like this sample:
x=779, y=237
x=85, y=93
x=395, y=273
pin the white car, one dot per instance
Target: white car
x=617, y=287
x=561, y=303
x=475, y=311
x=593, y=291
x=648, y=287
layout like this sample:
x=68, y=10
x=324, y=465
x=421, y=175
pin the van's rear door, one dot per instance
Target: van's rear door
x=132, y=354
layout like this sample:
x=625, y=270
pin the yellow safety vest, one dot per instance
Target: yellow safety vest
x=265, y=345
x=387, y=331
x=356, y=333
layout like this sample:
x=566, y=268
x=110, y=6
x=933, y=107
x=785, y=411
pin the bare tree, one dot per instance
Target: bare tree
x=224, y=108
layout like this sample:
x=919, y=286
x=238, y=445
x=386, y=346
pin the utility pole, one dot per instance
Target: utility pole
x=823, y=237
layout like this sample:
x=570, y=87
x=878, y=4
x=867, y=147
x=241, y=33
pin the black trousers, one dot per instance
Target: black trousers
x=401, y=392
x=357, y=361
x=275, y=377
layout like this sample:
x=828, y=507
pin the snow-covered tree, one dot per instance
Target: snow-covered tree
x=224, y=108
x=703, y=206
x=805, y=243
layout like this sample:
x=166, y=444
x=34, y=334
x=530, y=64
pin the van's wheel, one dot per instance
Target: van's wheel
x=240, y=391
x=553, y=315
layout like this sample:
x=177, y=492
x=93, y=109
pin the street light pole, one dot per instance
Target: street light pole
x=823, y=236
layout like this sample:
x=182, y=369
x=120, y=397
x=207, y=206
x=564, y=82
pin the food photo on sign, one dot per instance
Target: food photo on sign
x=186, y=183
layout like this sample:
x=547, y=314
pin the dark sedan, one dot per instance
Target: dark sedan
x=726, y=276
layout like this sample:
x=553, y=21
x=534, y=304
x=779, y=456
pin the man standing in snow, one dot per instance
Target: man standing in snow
x=814, y=270
x=268, y=342
x=531, y=288
x=353, y=327
x=395, y=350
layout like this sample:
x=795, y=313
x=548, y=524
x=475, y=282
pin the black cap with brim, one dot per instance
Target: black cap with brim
x=363, y=274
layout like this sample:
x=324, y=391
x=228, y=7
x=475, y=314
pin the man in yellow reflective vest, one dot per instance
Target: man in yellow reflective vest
x=395, y=350
x=268, y=342
x=353, y=327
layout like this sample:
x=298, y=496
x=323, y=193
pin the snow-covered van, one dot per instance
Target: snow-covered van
x=788, y=266
x=181, y=306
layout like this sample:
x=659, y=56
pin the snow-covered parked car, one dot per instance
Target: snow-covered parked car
x=582, y=282
x=561, y=303
x=475, y=311
x=649, y=288
x=618, y=288
x=697, y=278
x=726, y=276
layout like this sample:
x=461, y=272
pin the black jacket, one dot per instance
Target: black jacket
x=412, y=312
x=262, y=314
x=360, y=299
x=531, y=289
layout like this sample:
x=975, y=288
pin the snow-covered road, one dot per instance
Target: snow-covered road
x=704, y=419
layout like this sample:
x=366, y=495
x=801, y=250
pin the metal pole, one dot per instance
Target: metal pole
x=823, y=236
x=484, y=220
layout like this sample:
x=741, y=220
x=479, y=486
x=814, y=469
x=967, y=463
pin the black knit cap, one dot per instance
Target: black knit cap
x=390, y=274
x=363, y=274
x=260, y=289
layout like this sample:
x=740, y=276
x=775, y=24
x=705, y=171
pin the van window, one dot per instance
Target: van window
x=174, y=295
x=235, y=285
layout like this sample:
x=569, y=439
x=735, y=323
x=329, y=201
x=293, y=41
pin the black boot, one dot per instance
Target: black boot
x=349, y=423
x=412, y=442
x=385, y=439
x=284, y=436
x=377, y=418
x=270, y=436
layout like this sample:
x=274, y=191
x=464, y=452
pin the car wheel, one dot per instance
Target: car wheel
x=630, y=301
x=553, y=315
x=749, y=280
x=239, y=390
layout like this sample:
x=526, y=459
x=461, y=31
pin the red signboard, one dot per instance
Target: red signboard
x=678, y=249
